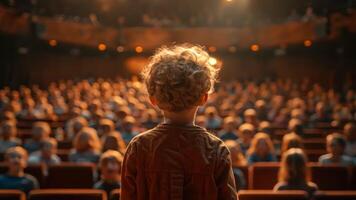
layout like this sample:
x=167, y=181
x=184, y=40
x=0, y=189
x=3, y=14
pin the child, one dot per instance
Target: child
x=294, y=173
x=87, y=146
x=229, y=130
x=16, y=160
x=114, y=141
x=40, y=132
x=8, y=136
x=246, y=133
x=110, y=167
x=335, y=145
x=261, y=149
x=47, y=154
x=177, y=159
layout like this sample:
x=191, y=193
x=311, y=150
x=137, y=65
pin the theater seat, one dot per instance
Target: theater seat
x=12, y=195
x=245, y=171
x=330, y=177
x=67, y=194
x=272, y=195
x=115, y=194
x=263, y=176
x=70, y=175
x=335, y=195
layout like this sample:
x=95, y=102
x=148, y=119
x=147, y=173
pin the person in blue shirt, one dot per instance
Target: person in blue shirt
x=229, y=129
x=15, y=178
x=261, y=149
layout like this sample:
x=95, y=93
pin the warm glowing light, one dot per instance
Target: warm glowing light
x=138, y=49
x=212, y=49
x=255, y=47
x=228, y=0
x=212, y=61
x=52, y=43
x=102, y=47
x=232, y=49
x=308, y=43
x=120, y=49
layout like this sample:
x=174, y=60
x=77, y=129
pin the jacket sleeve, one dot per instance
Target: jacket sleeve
x=129, y=174
x=224, y=176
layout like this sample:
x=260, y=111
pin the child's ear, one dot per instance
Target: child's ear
x=203, y=99
x=153, y=100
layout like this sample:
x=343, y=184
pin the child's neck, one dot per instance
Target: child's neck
x=186, y=117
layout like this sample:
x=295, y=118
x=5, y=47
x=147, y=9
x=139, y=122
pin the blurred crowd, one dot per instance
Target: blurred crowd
x=102, y=116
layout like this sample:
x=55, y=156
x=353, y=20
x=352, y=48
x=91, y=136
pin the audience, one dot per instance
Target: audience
x=350, y=134
x=15, y=178
x=238, y=160
x=87, y=147
x=47, y=154
x=8, y=137
x=40, y=132
x=335, y=144
x=291, y=140
x=261, y=149
x=229, y=129
x=246, y=132
x=294, y=173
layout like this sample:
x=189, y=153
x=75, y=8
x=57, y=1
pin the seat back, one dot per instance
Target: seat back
x=70, y=175
x=272, y=195
x=67, y=194
x=12, y=195
x=335, y=195
x=330, y=177
x=263, y=176
x=245, y=171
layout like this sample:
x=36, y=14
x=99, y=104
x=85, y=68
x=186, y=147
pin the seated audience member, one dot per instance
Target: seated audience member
x=87, y=146
x=106, y=127
x=229, y=129
x=150, y=119
x=261, y=149
x=47, y=154
x=15, y=178
x=75, y=125
x=40, y=132
x=320, y=115
x=250, y=117
x=294, y=172
x=295, y=126
x=8, y=138
x=128, y=129
x=114, y=142
x=246, y=132
x=213, y=121
x=335, y=145
x=238, y=160
x=291, y=140
x=350, y=134
x=110, y=167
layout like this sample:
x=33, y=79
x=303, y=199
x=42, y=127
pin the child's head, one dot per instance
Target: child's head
x=40, y=131
x=178, y=78
x=48, y=148
x=296, y=126
x=294, y=167
x=106, y=126
x=79, y=123
x=237, y=157
x=250, y=116
x=261, y=145
x=291, y=140
x=111, y=142
x=8, y=130
x=87, y=140
x=335, y=144
x=246, y=132
x=211, y=112
x=230, y=124
x=350, y=131
x=16, y=158
x=110, y=165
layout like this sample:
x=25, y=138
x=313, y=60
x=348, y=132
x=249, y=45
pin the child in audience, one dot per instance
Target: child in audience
x=47, y=154
x=261, y=149
x=75, y=125
x=291, y=140
x=350, y=134
x=114, y=141
x=87, y=146
x=110, y=168
x=238, y=160
x=213, y=121
x=15, y=178
x=177, y=159
x=229, y=129
x=294, y=172
x=40, y=132
x=246, y=133
x=335, y=145
x=128, y=129
x=8, y=137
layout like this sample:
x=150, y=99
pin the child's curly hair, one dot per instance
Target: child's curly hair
x=177, y=76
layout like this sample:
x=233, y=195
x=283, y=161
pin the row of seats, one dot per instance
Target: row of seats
x=265, y=175
x=93, y=194
x=258, y=176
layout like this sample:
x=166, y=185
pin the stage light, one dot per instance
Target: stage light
x=232, y=49
x=212, y=61
x=101, y=47
x=52, y=43
x=255, y=47
x=212, y=49
x=139, y=49
x=120, y=49
x=228, y=0
x=307, y=43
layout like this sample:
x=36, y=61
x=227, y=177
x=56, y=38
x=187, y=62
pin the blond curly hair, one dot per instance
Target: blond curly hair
x=177, y=76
